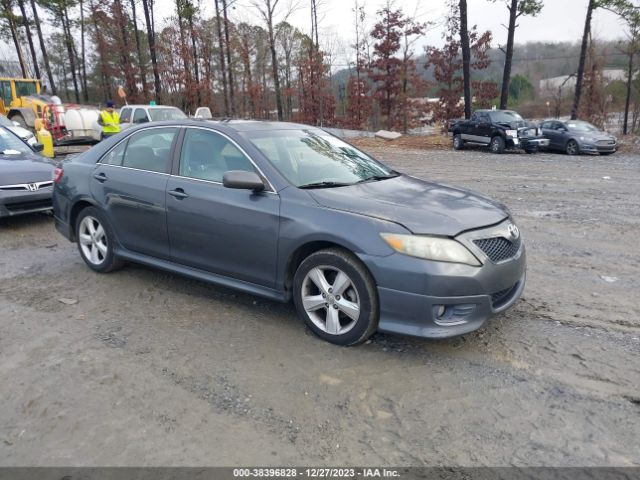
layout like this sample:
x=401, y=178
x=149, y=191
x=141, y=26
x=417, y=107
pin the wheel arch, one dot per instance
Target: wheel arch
x=26, y=113
x=77, y=207
x=303, y=251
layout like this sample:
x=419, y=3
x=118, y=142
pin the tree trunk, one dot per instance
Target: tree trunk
x=101, y=56
x=143, y=75
x=466, y=58
x=221, y=58
x=506, y=75
x=151, y=39
x=194, y=53
x=43, y=48
x=16, y=39
x=64, y=17
x=25, y=23
x=627, y=100
x=83, y=62
x=583, y=60
x=229, y=64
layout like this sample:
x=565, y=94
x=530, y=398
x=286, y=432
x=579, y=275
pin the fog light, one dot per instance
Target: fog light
x=439, y=310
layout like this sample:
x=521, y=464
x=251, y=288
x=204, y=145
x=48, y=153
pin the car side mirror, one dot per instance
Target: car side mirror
x=243, y=180
x=38, y=147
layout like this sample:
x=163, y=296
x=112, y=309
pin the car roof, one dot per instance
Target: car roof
x=148, y=106
x=233, y=125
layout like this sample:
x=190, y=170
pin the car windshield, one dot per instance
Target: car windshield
x=10, y=144
x=315, y=159
x=5, y=122
x=579, y=126
x=504, y=116
x=160, y=114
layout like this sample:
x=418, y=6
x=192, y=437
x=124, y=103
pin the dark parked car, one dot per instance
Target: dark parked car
x=575, y=137
x=26, y=182
x=289, y=211
x=499, y=130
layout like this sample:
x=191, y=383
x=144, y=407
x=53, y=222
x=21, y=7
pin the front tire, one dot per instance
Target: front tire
x=497, y=144
x=572, y=148
x=336, y=297
x=95, y=241
x=458, y=143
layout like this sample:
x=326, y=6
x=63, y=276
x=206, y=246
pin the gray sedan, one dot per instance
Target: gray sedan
x=25, y=178
x=290, y=212
x=575, y=137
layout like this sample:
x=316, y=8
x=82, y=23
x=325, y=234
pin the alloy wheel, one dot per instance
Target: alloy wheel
x=330, y=299
x=572, y=147
x=93, y=240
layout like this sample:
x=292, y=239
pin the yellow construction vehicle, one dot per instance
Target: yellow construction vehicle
x=22, y=101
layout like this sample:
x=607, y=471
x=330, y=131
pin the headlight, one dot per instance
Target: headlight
x=512, y=133
x=431, y=248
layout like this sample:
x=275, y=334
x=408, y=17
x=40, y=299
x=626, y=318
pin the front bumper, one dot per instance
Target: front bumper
x=20, y=202
x=436, y=299
x=527, y=142
x=598, y=148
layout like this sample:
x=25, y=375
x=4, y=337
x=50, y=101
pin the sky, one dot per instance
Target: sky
x=560, y=20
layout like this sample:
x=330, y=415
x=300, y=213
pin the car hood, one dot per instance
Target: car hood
x=595, y=136
x=420, y=206
x=17, y=169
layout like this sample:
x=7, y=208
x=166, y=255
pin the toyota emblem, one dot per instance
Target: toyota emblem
x=514, y=233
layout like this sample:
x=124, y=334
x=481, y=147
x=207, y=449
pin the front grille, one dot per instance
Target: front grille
x=16, y=207
x=606, y=142
x=498, y=249
x=501, y=296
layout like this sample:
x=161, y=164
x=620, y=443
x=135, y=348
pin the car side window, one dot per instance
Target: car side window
x=206, y=155
x=140, y=116
x=125, y=115
x=150, y=149
x=115, y=155
x=484, y=118
x=474, y=117
x=546, y=125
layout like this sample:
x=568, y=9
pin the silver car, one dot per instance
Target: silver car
x=576, y=136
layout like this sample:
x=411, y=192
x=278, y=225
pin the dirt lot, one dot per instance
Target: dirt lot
x=141, y=367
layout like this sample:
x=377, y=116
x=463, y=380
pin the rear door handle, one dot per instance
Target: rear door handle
x=101, y=177
x=178, y=193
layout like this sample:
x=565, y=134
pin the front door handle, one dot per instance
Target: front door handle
x=101, y=177
x=178, y=193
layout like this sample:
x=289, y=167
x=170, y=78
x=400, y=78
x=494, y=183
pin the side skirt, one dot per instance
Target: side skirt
x=202, y=275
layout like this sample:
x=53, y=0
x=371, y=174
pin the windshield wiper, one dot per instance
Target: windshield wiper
x=375, y=178
x=324, y=184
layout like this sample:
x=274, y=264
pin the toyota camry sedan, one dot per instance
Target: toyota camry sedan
x=290, y=212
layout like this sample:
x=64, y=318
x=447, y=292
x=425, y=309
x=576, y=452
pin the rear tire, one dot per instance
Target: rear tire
x=458, y=143
x=336, y=297
x=497, y=144
x=95, y=241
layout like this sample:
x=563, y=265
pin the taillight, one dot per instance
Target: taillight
x=57, y=174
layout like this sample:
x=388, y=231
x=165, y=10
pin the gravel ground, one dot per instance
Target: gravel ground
x=141, y=367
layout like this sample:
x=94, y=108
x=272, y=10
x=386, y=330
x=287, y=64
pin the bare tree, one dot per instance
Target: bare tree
x=43, y=48
x=517, y=9
x=268, y=10
x=27, y=31
x=466, y=57
x=631, y=48
x=151, y=39
x=616, y=6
